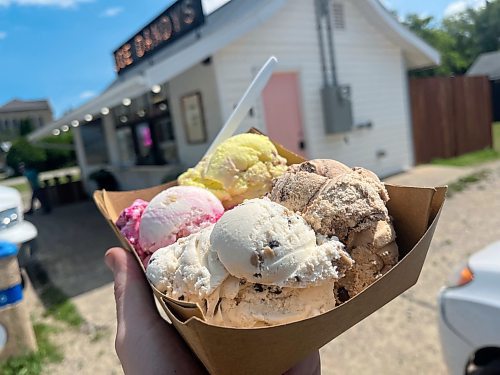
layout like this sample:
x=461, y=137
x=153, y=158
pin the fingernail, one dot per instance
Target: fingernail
x=110, y=261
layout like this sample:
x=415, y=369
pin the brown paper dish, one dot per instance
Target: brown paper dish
x=275, y=349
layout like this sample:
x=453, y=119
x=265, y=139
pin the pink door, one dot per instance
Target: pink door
x=282, y=111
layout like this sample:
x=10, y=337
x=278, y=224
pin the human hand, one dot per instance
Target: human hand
x=145, y=343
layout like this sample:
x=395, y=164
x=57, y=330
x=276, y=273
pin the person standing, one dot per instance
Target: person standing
x=38, y=193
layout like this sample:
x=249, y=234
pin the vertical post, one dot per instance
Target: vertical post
x=16, y=333
x=108, y=125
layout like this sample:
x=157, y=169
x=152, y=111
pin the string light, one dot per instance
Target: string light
x=65, y=128
x=123, y=119
x=56, y=132
x=88, y=117
x=162, y=106
x=141, y=113
x=126, y=102
x=104, y=111
x=156, y=89
x=75, y=123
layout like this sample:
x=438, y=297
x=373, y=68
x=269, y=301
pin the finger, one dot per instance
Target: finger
x=130, y=285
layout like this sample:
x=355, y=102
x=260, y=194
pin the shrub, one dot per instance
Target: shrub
x=23, y=151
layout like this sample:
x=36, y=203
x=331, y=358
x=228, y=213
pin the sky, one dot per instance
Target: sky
x=62, y=49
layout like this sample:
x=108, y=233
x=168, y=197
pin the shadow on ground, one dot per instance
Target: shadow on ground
x=70, y=249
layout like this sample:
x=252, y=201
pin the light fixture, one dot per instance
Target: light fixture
x=105, y=110
x=126, y=102
x=156, y=89
x=75, y=123
x=162, y=106
x=56, y=132
x=141, y=113
x=123, y=119
x=88, y=117
x=65, y=128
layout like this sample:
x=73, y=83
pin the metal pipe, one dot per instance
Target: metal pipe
x=321, y=41
x=331, y=47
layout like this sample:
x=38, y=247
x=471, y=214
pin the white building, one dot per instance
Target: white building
x=198, y=79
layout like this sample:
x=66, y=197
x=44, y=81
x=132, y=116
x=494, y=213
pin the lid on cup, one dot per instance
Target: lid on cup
x=7, y=249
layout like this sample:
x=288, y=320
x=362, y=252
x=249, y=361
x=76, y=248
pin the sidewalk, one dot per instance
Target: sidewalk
x=429, y=175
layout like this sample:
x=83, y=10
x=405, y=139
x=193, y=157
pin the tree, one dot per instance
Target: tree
x=459, y=38
x=23, y=151
x=25, y=127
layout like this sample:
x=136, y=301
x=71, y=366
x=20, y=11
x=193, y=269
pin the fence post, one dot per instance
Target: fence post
x=16, y=332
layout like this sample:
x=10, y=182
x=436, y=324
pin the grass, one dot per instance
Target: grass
x=22, y=188
x=32, y=364
x=476, y=157
x=60, y=307
x=462, y=183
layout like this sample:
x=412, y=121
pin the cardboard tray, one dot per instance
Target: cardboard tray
x=273, y=350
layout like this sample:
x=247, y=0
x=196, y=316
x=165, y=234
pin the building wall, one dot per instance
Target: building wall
x=366, y=60
x=10, y=121
x=200, y=77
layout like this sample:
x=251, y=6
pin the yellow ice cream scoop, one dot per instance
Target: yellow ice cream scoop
x=241, y=168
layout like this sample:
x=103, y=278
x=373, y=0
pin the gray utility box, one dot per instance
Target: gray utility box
x=337, y=109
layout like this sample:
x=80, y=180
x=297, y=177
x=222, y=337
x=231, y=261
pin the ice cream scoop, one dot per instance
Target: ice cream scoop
x=263, y=242
x=175, y=213
x=129, y=222
x=188, y=270
x=333, y=198
x=242, y=167
x=243, y=304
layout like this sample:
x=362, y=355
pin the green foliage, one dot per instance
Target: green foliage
x=59, y=158
x=460, y=38
x=32, y=364
x=25, y=127
x=463, y=183
x=23, y=151
x=60, y=307
x=476, y=157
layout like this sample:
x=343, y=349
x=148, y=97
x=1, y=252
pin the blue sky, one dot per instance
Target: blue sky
x=62, y=49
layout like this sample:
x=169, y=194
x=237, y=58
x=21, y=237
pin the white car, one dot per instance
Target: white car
x=469, y=322
x=13, y=227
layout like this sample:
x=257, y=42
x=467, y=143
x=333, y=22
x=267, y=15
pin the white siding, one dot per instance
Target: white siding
x=368, y=62
x=199, y=78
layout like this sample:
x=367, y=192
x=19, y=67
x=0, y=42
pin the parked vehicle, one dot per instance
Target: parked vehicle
x=13, y=227
x=470, y=315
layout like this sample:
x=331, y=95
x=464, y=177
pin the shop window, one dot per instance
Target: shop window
x=94, y=142
x=125, y=145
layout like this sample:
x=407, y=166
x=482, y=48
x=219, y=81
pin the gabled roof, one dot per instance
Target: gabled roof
x=487, y=64
x=17, y=105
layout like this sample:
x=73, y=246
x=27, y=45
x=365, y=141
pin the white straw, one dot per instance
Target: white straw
x=245, y=103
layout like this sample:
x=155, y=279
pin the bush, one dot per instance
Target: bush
x=23, y=151
x=59, y=158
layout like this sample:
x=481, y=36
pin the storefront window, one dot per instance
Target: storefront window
x=144, y=132
x=94, y=143
x=126, y=145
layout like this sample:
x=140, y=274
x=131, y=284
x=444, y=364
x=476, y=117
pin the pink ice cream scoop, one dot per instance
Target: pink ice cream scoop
x=128, y=222
x=177, y=212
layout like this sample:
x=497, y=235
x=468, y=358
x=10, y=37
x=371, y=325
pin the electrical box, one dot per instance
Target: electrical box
x=337, y=109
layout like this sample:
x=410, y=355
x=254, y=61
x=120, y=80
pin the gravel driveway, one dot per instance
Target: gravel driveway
x=400, y=338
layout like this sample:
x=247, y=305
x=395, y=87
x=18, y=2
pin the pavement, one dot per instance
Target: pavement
x=401, y=337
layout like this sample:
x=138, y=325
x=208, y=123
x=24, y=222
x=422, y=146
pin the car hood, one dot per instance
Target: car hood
x=9, y=198
x=487, y=259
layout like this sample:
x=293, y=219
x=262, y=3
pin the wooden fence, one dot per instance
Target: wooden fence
x=450, y=116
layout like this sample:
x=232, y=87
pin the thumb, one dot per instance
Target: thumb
x=132, y=294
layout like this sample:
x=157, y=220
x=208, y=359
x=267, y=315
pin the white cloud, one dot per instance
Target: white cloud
x=210, y=6
x=44, y=3
x=461, y=5
x=111, y=12
x=87, y=94
x=3, y=35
